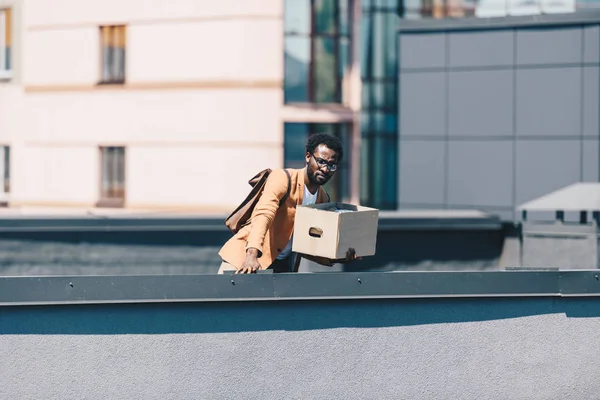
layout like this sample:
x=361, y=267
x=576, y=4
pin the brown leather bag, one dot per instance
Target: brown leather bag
x=241, y=216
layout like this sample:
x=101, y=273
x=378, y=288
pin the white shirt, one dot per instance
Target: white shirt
x=308, y=199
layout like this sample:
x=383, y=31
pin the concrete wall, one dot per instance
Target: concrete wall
x=203, y=86
x=492, y=117
x=522, y=348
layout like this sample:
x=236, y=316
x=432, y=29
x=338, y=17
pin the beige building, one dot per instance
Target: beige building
x=162, y=104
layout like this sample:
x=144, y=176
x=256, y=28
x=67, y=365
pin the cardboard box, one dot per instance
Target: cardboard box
x=318, y=231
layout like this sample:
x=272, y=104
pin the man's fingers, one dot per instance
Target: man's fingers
x=351, y=254
x=246, y=270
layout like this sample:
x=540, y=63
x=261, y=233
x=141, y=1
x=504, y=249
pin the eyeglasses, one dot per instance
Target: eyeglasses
x=322, y=163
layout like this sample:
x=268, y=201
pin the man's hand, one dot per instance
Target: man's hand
x=250, y=264
x=350, y=256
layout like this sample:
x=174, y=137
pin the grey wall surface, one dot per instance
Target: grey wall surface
x=490, y=118
x=522, y=348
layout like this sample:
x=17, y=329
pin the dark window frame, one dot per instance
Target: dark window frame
x=6, y=66
x=337, y=36
x=379, y=171
x=6, y=177
x=114, y=192
x=113, y=48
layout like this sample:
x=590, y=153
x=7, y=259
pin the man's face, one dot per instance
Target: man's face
x=320, y=164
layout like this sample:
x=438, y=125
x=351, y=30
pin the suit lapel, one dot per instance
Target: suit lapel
x=321, y=196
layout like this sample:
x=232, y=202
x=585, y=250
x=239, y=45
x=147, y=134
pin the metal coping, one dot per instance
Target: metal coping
x=57, y=290
x=587, y=17
x=84, y=224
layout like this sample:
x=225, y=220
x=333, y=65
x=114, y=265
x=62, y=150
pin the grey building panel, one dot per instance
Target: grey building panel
x=481, y=49
x=480, y=173
x=422, y=172
x=423, y=51
x=546, y=166
x=422, y=103
x=549, y=45
x=591, y=44
x=591, y=105
x=434, y=25
x=480, y=103
x=548, y=102
x=591, y=161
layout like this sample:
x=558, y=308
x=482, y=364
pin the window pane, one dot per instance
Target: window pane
x=325, y=16
x=112, y=183
x=366, y=95
x=3, y=44
x=378, y=44
x=365, y=45
x=390, y=194
x=104, y=158
x=121, y=172
x=114, y=174
x=386, y=3
x=344, y=172
x=297, y=16
x=6, y=169
x=364, y=171
x=391, y=123
x=295, y=136
x=325, y=76
x=118, y=55
x=344, y=10
x=107, y=46
x=377, y=97
x=344, y=56
x=297, y=57
x=7, y=40
x=391, y=56
x=391, y=96
x=379, y=166
x=365, y=123
x=378, y=121
x=412, y=9
x=4, y=165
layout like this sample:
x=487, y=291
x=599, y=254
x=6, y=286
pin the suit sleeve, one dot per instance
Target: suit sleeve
x=264, y=211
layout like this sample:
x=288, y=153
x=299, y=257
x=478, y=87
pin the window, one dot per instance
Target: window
x=296, y=134
x=113, y=54
x=379, y=149
x=112, y=186
x=5, y=166
x=5, y=43
x=317, y=49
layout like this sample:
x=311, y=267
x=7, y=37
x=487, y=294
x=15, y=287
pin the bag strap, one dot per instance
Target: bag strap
x=287, y=194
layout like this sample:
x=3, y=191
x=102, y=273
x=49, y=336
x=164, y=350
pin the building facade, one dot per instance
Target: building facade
x=495, y=114
x=174, y=105
x=171, y=104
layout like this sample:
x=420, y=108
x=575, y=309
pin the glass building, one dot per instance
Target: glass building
x=379, y=151
x=320, y=36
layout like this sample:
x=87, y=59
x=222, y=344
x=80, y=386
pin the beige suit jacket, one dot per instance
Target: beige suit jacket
x=271, y=226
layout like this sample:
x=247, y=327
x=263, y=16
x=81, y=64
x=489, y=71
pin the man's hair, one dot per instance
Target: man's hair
x=328, y=140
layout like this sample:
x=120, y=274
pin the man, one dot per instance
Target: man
x=266, y=241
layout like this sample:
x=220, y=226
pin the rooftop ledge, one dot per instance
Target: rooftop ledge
x=56, y=290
